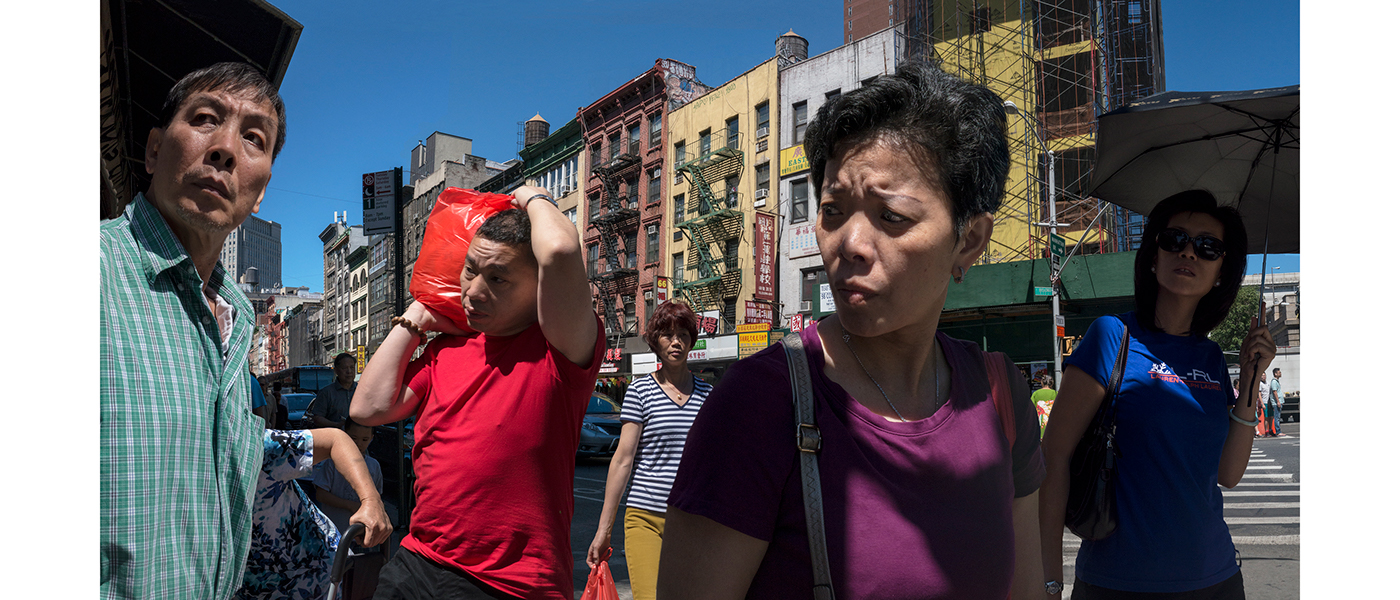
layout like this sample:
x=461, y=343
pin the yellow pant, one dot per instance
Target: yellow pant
x=643, y=530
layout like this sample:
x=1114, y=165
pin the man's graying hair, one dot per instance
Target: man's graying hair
x=956, y=128
x=232, y=77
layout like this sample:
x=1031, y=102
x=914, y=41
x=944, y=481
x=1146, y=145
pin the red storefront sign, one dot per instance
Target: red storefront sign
x=758, y=312
x=765, y=238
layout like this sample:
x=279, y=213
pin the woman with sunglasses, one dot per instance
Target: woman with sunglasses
x=1180, y=430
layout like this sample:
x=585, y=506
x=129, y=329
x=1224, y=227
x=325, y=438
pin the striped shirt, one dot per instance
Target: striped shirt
x=664, y=427
x=180, y=450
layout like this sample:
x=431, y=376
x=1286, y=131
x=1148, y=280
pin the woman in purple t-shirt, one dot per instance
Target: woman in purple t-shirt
x=922, y=495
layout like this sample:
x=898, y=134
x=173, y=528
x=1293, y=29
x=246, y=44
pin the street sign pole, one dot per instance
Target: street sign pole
x=1054, y=275
x=398, y=311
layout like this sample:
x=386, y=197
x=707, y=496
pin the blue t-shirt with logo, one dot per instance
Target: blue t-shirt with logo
x=1172, y=421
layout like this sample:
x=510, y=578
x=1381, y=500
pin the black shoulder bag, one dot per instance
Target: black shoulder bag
x=1092, y=510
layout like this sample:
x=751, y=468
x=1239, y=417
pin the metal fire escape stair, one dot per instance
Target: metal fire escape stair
x=711, y=220
x=616, y=279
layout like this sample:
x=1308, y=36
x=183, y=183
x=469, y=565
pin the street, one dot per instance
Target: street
x=1262, y=511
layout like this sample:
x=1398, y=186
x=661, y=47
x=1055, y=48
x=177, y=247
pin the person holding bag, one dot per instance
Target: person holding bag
x=928, y=455
x=1177, y=431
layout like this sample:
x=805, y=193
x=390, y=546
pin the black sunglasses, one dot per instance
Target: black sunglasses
x=1208, y=247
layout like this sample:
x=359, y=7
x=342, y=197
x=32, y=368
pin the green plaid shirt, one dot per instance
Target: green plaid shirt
x=181, y=449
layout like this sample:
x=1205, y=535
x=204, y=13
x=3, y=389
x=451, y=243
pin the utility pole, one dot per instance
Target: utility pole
x=398, y=310
x=1056, y=250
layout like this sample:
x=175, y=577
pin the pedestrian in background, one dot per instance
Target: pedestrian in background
x=1265, y=402
x=334, y=493
x=1044, y=399
x=332, y=404
x=921, y=494
x=499, y=412
x=1277, y=400
x=259, y=399
x=1181, y=433
x=179, y=444
x=656, y=416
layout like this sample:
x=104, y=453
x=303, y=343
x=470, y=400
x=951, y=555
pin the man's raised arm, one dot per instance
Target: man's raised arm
x=565, y=301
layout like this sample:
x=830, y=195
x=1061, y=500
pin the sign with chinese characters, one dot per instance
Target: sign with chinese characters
x=360, y=359
x=792, y=160
x=757, y=312
x=707, y=322
x=378, y=195
x=752, y=327
x=796, y=323
x=612, y=354
x=725, y=346
x=751, y=343
x=663, y=290
x=802, y=240
x=828, y=301
x=608, y=368
x=765, y=237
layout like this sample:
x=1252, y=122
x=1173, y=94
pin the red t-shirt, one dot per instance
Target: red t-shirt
x=498, y=425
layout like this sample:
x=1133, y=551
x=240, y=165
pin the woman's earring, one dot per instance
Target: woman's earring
x=1217, y=283
x=1154, y=268
x=959, y=277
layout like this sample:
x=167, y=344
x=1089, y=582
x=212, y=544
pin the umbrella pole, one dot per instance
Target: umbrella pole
x=1264, y=264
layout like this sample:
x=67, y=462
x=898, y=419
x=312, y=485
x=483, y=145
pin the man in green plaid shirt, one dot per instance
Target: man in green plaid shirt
x=181, y=448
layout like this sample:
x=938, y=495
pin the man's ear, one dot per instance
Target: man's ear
x=258, y=204
x=152, y=148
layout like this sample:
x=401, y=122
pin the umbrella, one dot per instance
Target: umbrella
x=1240, y=146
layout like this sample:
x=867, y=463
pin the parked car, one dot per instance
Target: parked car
x=296, y=410
x=1291, y=403
x=602, y=425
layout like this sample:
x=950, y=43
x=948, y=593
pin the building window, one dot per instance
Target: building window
x=761, y=119
x=678, y=266
x=654, y=131
x=680, y=153
x=654, y=187
x=730, y=304
x=731, y=254
x=799, y=200
x=572, y=214
x=651, y=307
x=593, y=211
x=592, y=260
x=595, y=155
x=629, y=313
x=760, y=177
x=614, y=145
x=629, y=243
x=1134, y=12
x=811, y=279
x=799, y=122
x=704, y=143
x=678, y=215
x=653, y=243
x=731, y=192
x=634, y=140
x=833, y=94
x=632, y=193
x=731, y=132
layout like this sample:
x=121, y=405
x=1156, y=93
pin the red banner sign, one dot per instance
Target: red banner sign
x=758, y=312
x=765, y=238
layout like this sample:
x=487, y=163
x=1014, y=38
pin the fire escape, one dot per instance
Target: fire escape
x=619, y=217
x=713, y=222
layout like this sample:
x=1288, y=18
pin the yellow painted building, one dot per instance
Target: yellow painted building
x=723, y=168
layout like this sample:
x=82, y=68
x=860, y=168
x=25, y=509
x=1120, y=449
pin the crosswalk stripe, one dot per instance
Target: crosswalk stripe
x=1263, y=467
x=1260, y=520
x=1276, y=476
x=1240, y=540
x=1262, y=493
x=1270, y=484
x=1257, y=505
x=1254, y=460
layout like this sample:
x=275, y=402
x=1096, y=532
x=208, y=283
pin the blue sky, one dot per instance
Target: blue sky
x=366, y=83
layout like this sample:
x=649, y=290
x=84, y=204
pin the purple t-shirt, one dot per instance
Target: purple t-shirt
x=912, y=510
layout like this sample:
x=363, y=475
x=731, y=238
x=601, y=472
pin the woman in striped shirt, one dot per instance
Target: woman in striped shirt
x=656, y=416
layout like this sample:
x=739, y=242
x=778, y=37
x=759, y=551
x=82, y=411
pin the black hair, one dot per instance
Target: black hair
x=510, y=227
x=957, y=127
x=351, y=422
x=276, y=386
x=232, y=77
x=343, y=355
x=1215, y=305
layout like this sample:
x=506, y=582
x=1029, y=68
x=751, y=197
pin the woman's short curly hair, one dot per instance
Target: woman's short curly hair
x=959, y=126
x=671, y=316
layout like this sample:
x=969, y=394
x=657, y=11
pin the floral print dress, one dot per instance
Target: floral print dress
x=293, y=542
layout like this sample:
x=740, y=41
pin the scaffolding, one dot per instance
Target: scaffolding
x=617, y=226
x=713, y=222
x=1062, y=62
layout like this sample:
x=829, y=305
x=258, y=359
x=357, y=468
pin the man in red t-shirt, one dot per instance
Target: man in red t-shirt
x=499, y=410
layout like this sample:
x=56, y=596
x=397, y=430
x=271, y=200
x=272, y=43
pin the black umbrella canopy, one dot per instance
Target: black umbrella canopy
x=1240, y=146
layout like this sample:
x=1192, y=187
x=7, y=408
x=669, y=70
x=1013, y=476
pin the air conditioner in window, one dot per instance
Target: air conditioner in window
x=804, y=306
x=648, y=295
x=762, y=132
x=760, y=193
x=656, y=173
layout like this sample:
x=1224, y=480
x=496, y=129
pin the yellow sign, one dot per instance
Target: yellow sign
x=752, y=343
x=360, y=359
x=792, y=160
x=752, y=327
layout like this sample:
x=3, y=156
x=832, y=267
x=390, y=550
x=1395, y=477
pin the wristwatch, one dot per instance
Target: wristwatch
x=1054, y=587
x=545, y=196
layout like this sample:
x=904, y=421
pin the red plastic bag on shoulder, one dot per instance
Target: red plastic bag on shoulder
x=600, y=582
x=454, y=220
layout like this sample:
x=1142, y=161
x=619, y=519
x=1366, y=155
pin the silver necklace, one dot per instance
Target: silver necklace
x=846, y=337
